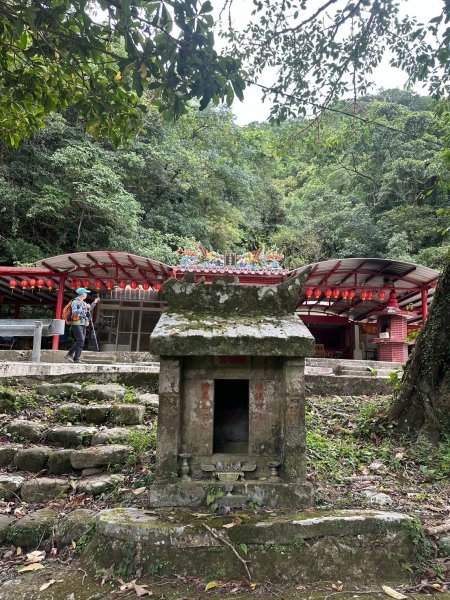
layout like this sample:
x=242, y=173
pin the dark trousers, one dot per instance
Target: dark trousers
x=79, y=333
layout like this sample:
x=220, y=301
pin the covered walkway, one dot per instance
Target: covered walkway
x=338, y=294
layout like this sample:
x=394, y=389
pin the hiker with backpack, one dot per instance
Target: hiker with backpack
x=77, y=313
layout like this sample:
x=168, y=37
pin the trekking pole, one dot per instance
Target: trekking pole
x=91, y=321
x=93, y=331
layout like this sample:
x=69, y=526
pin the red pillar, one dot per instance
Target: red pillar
x=59, y=307
x=424, y=298
x=17, y=311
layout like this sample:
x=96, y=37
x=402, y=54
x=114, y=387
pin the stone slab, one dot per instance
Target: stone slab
x=308, y=547
x=7, y=453
x=30, y=531
x=74, y=525
x=62, y=390
x=70, y=436
x=27, y=430
x=10, y=486
x=193, y=494
x=41, y=370
x=107, y=391
x=70, y=411
x=127, y=414
x=32, y=459
x=97, y=413
x=98, y=484
x=5, y=522
x=148, y=399
x=325, y=385
x=43, y=489
x=188, y=334
x=59, y=461
x=112, y=435
x=99, y=456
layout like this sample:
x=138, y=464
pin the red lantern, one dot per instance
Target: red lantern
x=370, y=295
x=309, y=292
x=146, y=286
x=86, y=283
x=24, y=283
x=157, y=286
x=345, y=294
x=40, y=283
x=317, y=293
x=336, y=293
x=382, y=295
x=328, y=293
x=77, y=283
x=363, y=295
x=50, y=284
x=12, y=284
x=122, y=285
x=98, y=284
x=32, y=283
x=109, y=285
x=351, y=294
x=133, y=285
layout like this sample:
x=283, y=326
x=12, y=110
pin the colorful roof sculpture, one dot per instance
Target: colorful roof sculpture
x=231, y=262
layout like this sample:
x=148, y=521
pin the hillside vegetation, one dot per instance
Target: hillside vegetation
x=370, y=186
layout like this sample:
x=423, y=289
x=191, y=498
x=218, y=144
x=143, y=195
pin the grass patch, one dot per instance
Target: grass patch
x=142, y=442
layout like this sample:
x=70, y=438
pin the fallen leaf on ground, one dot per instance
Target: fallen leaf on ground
x=46, y=585
x=212, y=584
x=18, y=551
x=138, y=491
x=339, y=586
x=139, y=590
x=393, y=593
x=375, y=465
x=229, y=525
x=36, y=556
x=33, y=567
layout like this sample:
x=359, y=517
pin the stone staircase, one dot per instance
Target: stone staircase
x=77, y=445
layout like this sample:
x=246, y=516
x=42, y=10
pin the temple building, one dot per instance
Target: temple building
x=355, y=308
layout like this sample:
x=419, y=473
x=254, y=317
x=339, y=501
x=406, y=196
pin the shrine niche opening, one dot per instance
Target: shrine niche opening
x=231, y=416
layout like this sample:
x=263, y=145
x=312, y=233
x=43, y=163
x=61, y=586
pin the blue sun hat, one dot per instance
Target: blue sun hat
x=79, y=291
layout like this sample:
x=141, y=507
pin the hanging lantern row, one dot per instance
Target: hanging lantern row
x=110, y=285
x=336, y=293
x=32, y=284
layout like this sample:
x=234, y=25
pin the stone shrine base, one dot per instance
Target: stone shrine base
x=194, y=494
x=364, y=547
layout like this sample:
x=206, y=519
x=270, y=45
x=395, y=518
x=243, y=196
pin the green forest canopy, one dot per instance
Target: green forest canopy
x=334, y=188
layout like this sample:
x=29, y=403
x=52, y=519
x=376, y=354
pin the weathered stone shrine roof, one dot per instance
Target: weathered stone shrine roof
x=225, y=318
x=185, y=334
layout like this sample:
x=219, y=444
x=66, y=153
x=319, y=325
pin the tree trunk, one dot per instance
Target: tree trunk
x=422, y=405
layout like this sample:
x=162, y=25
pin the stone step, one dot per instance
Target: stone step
x=32, y=530
x=310, y=547
x=93, y=391
x=354, y=372
x=57, y=461
x=21, y=487
x=360, y=372
x=99, y=413
x=60, y=437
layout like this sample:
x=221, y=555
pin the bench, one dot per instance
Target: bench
x=35, y=328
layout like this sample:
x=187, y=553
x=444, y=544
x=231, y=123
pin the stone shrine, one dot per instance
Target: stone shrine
x=231, y=406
